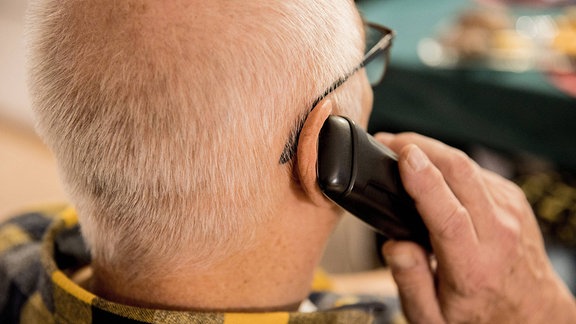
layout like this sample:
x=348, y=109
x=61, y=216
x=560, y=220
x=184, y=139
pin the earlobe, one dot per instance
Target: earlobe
x=307, y=152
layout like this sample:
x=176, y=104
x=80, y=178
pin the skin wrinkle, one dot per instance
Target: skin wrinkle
x=491, y=279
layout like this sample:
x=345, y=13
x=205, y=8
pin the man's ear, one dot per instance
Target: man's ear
x=307, y=152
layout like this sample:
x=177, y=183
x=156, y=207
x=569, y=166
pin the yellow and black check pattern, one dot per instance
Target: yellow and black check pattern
x=38, y=249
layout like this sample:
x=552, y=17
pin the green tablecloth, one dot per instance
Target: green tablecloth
x=514, y=112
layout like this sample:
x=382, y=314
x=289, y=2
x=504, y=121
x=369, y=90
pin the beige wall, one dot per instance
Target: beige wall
x=14, y=103
x=28, y=174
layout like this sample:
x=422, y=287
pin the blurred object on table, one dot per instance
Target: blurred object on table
x=564, y=81
x=535, y=3
x=552, y=194
x=495, y=37
x=565, y=38
x=563, y=70
x=483, y=36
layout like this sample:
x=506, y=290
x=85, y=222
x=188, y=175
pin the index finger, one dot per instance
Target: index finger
x=451, y=230
x=462, y=175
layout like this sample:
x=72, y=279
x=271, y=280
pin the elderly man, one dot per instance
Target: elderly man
x=186, y=138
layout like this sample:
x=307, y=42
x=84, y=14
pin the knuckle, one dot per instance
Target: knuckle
x=453, y=225
x=514, y=190
x=518, y=208
x=432, y=181
x=510, y=230
x=461, y=166
x=515, y=203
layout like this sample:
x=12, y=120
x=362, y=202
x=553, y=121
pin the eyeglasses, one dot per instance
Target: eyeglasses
x=378, y=44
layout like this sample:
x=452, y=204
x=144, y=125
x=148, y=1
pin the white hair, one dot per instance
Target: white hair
x=167, y=122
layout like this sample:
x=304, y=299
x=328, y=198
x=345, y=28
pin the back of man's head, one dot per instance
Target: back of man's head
x=168, y=118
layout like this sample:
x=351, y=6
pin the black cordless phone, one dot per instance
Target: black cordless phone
x=361, y=175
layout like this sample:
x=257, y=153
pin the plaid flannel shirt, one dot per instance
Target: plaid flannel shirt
x=39, y=250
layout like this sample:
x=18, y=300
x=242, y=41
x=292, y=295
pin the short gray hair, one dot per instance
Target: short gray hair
x=167, y=135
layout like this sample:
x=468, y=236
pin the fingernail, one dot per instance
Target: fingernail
x=417, y=159
x=401, y=261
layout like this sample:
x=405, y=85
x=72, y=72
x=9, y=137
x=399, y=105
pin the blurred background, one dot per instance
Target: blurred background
x=28, y=176
x=498, y=80
x=494, y=78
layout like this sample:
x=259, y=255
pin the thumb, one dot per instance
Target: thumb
x=413, y=275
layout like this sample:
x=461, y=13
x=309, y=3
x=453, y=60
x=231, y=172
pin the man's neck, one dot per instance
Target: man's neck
x=274, y=275
x=235, y=286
